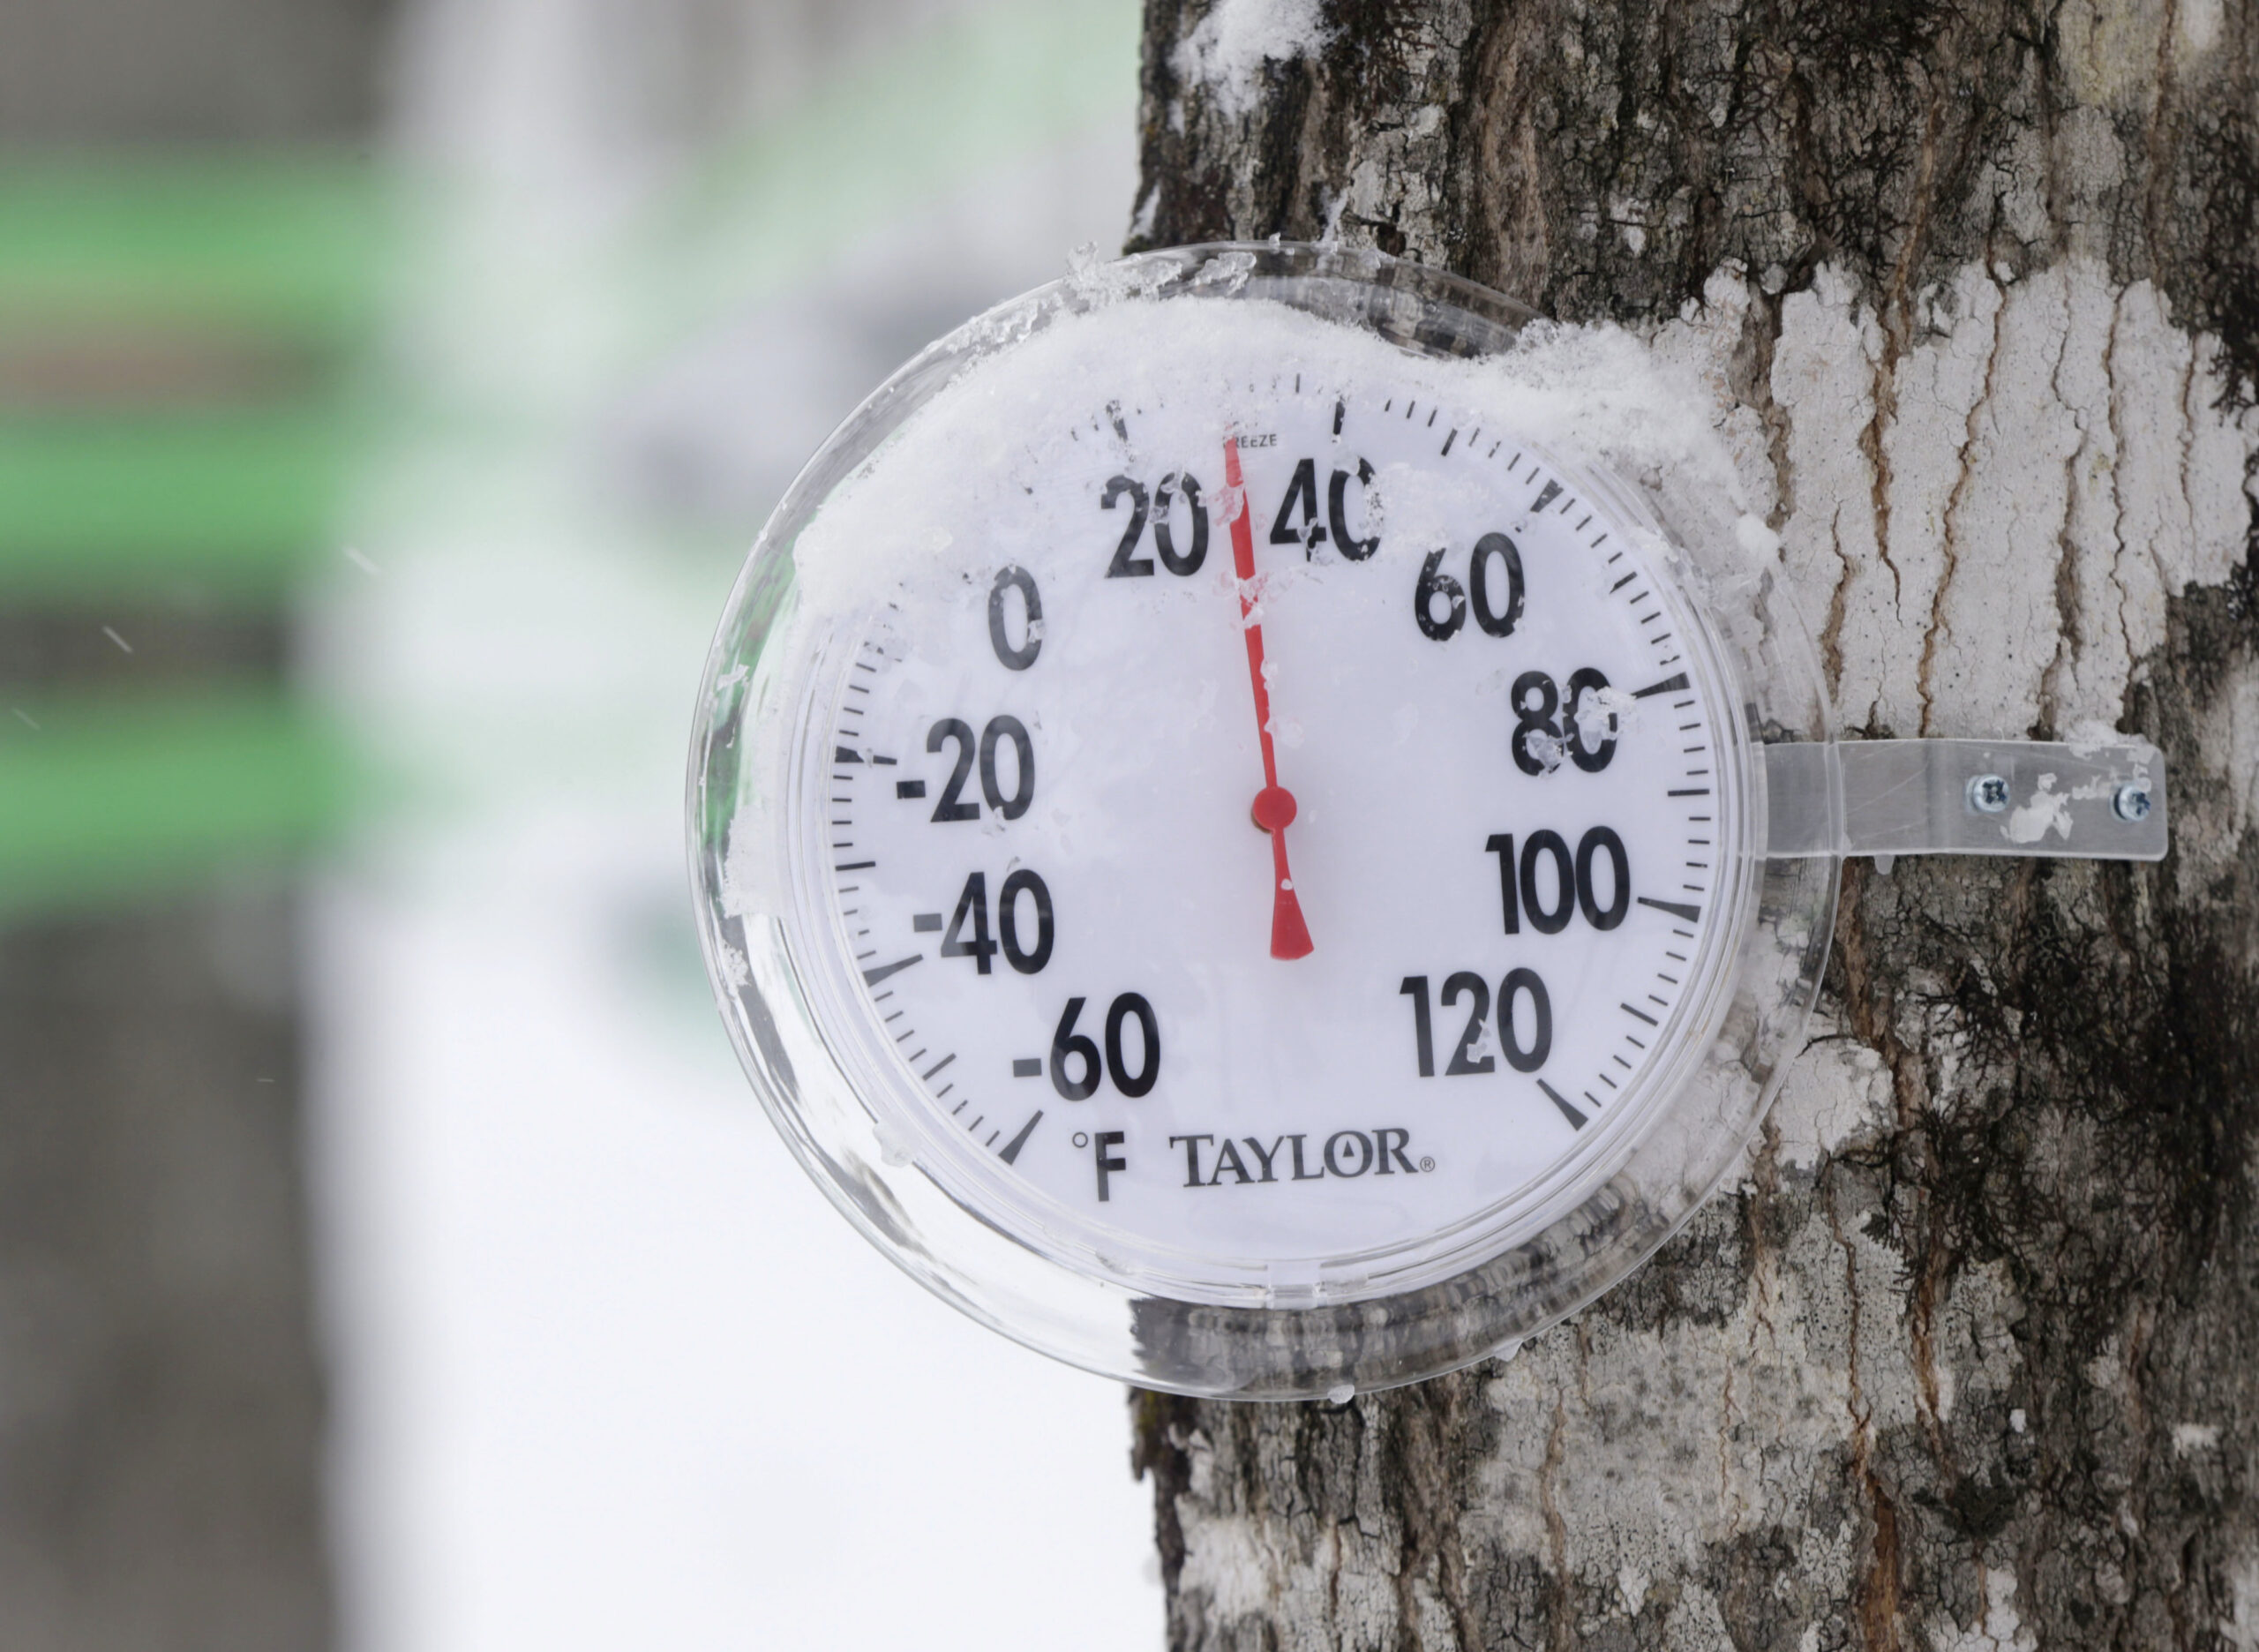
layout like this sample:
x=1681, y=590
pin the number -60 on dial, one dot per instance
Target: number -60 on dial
x=1231, y=851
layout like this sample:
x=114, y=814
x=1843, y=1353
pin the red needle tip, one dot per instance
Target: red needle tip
x=1275, y=808
x=1289, y=934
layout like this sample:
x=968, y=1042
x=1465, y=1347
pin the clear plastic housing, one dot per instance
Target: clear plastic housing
x=1204, y=1324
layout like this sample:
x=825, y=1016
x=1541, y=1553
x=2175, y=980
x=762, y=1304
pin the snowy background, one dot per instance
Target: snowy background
x=608, y=1371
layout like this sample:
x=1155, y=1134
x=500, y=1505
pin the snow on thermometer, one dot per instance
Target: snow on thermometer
x=1256, y=828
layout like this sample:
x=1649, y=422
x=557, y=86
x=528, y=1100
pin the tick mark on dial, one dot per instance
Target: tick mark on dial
x=1676, y=909
x=1668, y=684
x=1569, y=1110
x=1011, y=1149
x=841, y=753
x=937, y=1066
x=1642, y=1014
x=873, y=977
x=1546, y=495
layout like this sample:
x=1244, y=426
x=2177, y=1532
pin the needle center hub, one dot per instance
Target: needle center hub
x=1275, y=808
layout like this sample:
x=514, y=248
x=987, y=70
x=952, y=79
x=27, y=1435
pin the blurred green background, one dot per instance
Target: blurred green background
x=181, y=401
x=194, y=241
x=390, y=1256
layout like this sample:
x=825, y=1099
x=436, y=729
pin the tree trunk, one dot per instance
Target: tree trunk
x=1970, y=1356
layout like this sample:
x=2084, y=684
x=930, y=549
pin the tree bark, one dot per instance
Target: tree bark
x=1970, y=1356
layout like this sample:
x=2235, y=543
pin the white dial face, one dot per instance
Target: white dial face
x=1279, y=823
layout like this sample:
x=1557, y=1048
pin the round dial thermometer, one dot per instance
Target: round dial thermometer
x=1231, y=848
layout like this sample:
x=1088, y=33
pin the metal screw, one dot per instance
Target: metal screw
x=2131, y=802
x=1988, y=794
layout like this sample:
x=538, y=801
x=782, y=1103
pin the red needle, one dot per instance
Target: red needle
x=1274, y=805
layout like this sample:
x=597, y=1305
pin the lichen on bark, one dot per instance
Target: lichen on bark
x=1970, y=1356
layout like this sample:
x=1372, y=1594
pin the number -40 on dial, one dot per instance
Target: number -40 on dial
x=1226, y=850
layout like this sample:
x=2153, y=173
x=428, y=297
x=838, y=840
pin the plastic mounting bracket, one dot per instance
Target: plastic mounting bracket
x=1888, y=797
